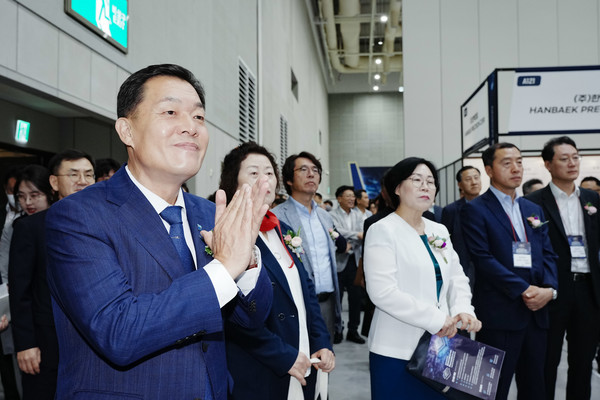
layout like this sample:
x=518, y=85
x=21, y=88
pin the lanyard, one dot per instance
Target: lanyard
x=513, y=228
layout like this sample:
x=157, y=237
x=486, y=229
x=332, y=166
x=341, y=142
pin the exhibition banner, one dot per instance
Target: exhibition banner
x=475, y=121
x=555, y=101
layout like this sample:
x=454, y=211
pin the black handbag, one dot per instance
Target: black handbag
x=415, y=367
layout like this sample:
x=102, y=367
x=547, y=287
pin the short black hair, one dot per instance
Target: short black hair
x=131, y=92
x=287, y=172
x=358, y=193
x=104, y=166
x=39, y=176
x=591, y=179
x=463, y=169
x=318, y=195
x=490, y=153
x=68, y=155
x=12, y=172
x=527, y=185
x=233, y=161
x=548, y=150
x=328, y=202
x=401, y=171
x=340, y=191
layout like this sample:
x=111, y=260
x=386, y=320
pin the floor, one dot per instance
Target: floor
x=350, y=379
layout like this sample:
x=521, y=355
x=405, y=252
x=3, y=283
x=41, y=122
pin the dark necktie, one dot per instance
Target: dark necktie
x=172, y=215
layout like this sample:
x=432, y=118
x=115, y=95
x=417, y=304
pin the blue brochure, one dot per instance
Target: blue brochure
x=465, y=365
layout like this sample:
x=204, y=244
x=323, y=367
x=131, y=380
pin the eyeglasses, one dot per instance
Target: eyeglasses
x=575, y=159
x=34, y=196
x=304, y=170
x=417, y=181
x=74, y=176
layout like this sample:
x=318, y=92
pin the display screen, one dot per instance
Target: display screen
x=108, y=18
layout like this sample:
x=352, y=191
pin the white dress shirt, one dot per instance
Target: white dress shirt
x=571, y=215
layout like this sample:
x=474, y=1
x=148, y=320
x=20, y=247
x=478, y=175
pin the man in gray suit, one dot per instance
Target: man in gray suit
x=348, y=221
x=301, y=177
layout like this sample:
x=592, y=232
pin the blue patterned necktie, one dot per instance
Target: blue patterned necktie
x=172, y=215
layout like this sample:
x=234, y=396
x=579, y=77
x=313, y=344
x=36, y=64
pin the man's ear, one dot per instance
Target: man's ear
x=54, y=182
x=123, y=128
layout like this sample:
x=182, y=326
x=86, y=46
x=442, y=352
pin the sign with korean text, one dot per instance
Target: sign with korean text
x=108, y=18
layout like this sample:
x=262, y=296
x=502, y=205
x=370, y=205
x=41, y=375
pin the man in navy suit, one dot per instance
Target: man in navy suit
x=468, y=179
x=516, y=272
x=574, y=234
x=139, y=303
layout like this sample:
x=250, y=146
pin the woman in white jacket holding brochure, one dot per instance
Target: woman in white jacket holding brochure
x=415, y=280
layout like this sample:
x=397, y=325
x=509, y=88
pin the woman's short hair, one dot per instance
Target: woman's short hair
x=39, y=176
x=401, y=171
x=232, y=162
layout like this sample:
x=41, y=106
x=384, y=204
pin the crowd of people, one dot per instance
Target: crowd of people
x=134, y=288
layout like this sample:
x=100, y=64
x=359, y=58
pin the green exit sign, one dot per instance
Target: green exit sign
x=22, y=131
x=108, y=18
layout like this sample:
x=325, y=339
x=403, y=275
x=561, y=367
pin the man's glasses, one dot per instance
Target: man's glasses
x=74, y=177
x=304, y=170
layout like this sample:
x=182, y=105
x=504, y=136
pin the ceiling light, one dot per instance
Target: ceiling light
x=401, y=89
x=378, y=61
x=375, y=88
x=377, y=77
x=383, y=18
x=380, y=43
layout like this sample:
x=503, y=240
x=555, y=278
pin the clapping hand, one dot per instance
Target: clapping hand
x=237, y=225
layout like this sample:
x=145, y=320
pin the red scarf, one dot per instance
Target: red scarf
x=269, y=222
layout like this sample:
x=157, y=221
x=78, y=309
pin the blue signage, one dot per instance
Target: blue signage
x=532, y=80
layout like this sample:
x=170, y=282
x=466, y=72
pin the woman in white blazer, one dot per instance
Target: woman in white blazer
x=415, y=280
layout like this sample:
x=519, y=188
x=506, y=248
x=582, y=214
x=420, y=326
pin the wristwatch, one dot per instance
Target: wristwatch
x=554, y=294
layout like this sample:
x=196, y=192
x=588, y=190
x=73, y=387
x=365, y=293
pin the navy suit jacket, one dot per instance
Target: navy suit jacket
x=451, y=219
x=131, y=322
x=287, y=213
x=499, y=285
x=259, y=359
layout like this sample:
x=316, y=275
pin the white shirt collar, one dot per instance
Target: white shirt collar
x=155, y=200
x=557, y=192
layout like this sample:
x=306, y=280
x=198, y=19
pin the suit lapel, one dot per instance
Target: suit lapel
x=143, y=223
x=550, y=206
x=273, y=266
x=587, y=219
x=199, y=219
x=526, y=211
x=493, y=204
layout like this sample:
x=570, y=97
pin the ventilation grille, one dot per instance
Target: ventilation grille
x=247, y=104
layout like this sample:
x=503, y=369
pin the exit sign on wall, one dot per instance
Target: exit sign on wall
x=22, y=131
x=107, y=18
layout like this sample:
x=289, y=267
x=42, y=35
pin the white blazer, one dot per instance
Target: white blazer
x=400, y=279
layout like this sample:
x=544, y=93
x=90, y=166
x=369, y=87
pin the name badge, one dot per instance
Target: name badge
x=577, y=246
x=521, y=254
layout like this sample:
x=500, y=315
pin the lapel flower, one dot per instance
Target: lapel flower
x=439, y=244
x=535, y=222
x=207, y=249
x=333, y=234
x=591, y=210
x=294, y=242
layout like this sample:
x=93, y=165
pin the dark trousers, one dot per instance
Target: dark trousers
x=346, y=281
x=578, y=316
x=525, y=354
x=7, y=374
x=43, y=385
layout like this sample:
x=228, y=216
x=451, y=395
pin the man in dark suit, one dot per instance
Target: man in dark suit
x=574, y=232
x=30, y=303
x=468, y=179
x=139, y=302
x=516, y=272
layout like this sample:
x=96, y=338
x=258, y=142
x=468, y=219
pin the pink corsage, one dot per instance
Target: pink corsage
x=294, y=242
x=333, y=234
x=439, y=244
x=535, y=222
x=591, y=210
